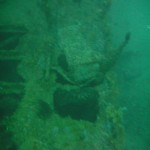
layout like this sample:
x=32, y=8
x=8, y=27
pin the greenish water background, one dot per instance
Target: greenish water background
x=134, y=68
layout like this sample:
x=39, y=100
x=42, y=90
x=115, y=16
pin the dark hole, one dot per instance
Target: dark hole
x=62, y=62
x=79, y=104
x=9, y=43
x=44, y=110
x=8, y=71
x=8, y=104
x=10, y=36
x=6, y=141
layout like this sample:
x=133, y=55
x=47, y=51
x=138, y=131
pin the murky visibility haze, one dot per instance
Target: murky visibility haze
x=134, y=16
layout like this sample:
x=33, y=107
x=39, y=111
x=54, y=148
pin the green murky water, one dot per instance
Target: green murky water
x=74, y=75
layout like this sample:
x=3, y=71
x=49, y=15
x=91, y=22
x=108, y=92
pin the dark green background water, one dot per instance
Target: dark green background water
x=134, y=68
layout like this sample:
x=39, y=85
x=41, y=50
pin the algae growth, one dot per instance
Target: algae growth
x=65, y=57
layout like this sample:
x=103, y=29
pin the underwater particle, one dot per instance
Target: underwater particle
x=79, y=104
x=44, y=110
x=147, y=26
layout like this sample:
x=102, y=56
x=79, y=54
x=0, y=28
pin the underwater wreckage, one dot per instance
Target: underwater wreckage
x=61, y=77
x=105, y=63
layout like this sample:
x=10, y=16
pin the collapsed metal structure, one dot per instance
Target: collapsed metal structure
x=60, y=64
